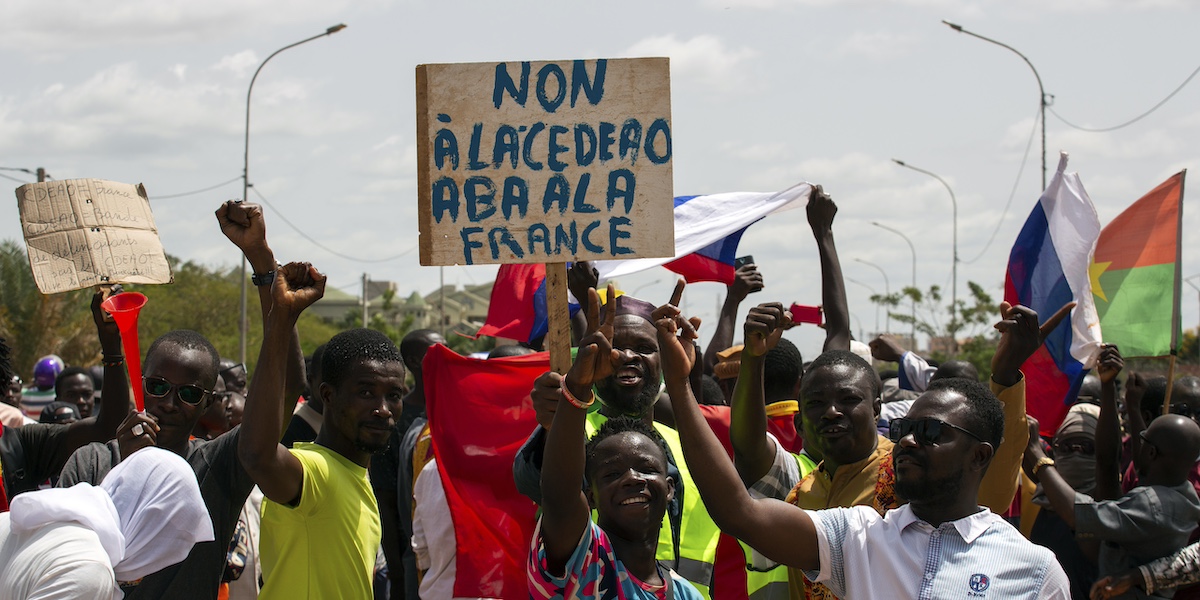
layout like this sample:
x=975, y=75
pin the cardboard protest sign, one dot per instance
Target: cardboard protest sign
x=544, y=162
x=86, y=232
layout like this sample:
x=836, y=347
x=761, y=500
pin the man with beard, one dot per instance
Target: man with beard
x=941, y=544
x=688, y=544
x=320, y=521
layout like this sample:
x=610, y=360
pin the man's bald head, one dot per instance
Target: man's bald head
x=1176, y=441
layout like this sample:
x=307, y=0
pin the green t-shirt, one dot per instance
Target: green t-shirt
x=324, y=547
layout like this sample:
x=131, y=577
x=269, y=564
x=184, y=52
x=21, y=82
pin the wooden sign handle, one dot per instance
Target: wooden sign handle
x=558, y=338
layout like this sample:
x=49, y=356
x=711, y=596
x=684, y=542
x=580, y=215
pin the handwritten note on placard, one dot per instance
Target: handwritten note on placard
x=535, y=162
x=86, y=232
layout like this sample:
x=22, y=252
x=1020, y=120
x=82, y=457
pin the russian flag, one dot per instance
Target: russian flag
x=713, y=262
x=707, y=231
x=1047, y=268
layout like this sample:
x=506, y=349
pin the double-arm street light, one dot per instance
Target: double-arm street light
x=954, y=261
x=913, y=299
x=244, y=324
x=1042, y=103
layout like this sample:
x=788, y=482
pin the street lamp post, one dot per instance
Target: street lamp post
x=913, y=300
x=887, y=288
x=1042, y=103
x=873, y=293
x=245, y=323
x=954, y=261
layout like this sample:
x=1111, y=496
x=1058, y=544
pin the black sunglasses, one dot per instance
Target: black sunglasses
x=927, y=432
x=188, y=394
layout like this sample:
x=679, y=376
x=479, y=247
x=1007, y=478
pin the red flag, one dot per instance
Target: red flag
x=479, y=415
x=517, y=309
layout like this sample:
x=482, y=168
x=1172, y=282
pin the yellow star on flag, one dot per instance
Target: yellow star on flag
x=1095, y=270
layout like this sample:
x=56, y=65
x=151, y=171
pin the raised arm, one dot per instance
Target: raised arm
x=781, y=532
x=821, y=211
x=1108, y=426
x=747, y=280
x=276, y=471
x=1135, y=390
x=244, y=224
x=1060, y=493
x=1020, y=336
x=114, y=395
x=753, y=452
x=565, y=511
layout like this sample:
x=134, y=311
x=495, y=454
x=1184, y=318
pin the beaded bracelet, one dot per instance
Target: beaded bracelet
x=112, y=361
x=575, y=401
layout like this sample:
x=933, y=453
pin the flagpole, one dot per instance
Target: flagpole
x=1170, y=384
x=1177, y=318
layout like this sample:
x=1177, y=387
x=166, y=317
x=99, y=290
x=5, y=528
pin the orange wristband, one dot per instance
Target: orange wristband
x=575, y=401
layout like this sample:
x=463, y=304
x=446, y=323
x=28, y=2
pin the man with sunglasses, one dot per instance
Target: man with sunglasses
x=180, y=373
x=1150, y=521
x=941, y=544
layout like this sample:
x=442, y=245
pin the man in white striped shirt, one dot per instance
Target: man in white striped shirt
x=942, y=544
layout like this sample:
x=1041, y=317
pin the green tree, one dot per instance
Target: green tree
x=933, y=318
x=36, y=324
x=201, y=298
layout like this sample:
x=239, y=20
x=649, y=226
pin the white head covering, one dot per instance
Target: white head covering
x=148, y=512
x=82, y=503
x=161, y=511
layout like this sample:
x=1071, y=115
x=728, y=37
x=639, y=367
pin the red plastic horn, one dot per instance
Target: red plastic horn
x=124, y=309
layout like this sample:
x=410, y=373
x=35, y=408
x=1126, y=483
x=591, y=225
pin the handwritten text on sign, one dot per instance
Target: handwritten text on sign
x=86, y=232
x=528, y=162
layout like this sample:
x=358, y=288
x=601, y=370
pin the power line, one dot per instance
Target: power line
x=1135, y=119
x=1011, y=194
x=207, y=189
x=17, y=169
x=323, y=246
x=13, y=178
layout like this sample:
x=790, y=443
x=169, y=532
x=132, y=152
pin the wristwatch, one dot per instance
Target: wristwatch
x=1042, y=463
x=261, y=279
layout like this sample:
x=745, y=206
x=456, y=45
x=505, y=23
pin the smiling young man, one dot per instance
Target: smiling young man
x=941, y=544
x=688, y=538
x=625, y=467
x=320, y=524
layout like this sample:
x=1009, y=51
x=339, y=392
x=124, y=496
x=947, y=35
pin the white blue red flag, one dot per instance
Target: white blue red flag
x=1047, y=268
x=710, y=227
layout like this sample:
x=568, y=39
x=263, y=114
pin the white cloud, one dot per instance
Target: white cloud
x=121, y=109
x=240, y=64
x=703, y=58
x=50, y=27
x=881, y=45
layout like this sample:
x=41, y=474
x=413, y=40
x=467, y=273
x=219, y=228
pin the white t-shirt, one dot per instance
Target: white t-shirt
x=59, y=560
x=433, y=535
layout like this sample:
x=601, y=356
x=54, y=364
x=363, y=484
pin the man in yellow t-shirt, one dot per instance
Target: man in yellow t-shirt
x=320, y=524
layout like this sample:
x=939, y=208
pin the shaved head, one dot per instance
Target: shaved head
x=1176, y=439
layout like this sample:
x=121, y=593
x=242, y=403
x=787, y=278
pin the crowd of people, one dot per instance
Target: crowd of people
x=739, y=471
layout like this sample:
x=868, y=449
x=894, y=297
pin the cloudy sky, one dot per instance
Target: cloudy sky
x=765, y=93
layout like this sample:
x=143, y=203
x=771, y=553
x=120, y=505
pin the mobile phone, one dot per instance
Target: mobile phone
x=742, y=261
x=806, y=314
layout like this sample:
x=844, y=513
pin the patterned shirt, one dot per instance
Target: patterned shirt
x=898, y=555
x=594, y=573
x=1176, y=570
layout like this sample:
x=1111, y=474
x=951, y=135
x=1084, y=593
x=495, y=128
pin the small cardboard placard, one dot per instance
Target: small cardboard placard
x=82, y=233
x=544, y=161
